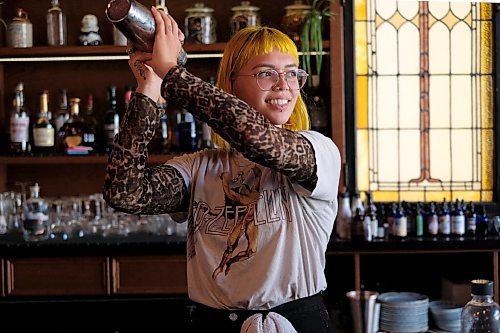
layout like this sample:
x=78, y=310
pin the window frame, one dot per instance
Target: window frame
x=348, y=142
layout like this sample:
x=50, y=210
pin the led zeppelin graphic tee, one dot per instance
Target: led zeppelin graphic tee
x=255, y=239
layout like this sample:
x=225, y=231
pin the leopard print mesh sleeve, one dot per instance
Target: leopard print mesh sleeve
x=132, y=187
x=243, y=127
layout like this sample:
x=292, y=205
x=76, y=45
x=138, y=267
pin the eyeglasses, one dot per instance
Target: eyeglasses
x=267, y=79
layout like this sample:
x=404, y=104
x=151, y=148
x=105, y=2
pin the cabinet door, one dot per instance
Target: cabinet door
x=149, y=275
x=57, y=276
x=2, y=290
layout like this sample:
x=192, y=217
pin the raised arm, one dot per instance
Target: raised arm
x=243, y=127
x=130, y=185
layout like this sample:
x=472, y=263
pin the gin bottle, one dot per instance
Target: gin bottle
x=35, y=217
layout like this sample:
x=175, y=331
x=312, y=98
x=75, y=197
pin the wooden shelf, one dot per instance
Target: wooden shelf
x=91, y=50
x=104, y=52
x=101, y=159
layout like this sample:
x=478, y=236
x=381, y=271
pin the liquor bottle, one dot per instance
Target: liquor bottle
x=400, y=228
x=91, y=125
x=71, y=133
x=111, y=120
x=444, y=220
x=481, y=314
x=471, y=219
x=457, y=220
x=188, y=141
x=19, y=123
x=129, y=90
x=318, y=114
x=432, y=221
x=419, y=221
x=356, y=203
x=371, y=215
x=43, y=130
x=482, y=222
x=56, y=25
x=35, y=216
x=205, y=132
x=206, y=136
x=62, y=114
x=344, y=217
x=358, y=226
x=159, y=142
x=174, y=117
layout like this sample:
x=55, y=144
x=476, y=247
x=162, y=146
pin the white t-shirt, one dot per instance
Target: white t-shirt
x=256, y=240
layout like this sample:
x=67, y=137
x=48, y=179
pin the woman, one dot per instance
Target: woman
x=261, y=207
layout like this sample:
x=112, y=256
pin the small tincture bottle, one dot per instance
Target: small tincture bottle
x=471, y=219
x=457, y=220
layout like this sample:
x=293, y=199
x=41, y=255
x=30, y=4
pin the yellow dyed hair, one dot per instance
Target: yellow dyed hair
x=250, y=42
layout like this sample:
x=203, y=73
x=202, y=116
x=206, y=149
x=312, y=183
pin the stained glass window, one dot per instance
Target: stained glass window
x=424, y=100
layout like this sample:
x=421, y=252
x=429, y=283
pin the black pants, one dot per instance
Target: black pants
x=307, y=315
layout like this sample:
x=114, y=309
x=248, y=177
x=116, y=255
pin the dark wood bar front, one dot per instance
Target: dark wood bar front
x=140, y=280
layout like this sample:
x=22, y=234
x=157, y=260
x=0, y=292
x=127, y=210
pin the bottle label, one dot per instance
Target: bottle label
x=458, y=225
x=471, y=224
x=3, y=225
x=433, y=225
x=111, y=130
x=400, y=226
x=35, y=223
x=73, y=141
x=19, y=129
x=444, y=224
x=43, y=137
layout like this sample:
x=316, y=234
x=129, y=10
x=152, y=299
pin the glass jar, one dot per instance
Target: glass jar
x=200, y=25
x=294, y=19
x=244, y=16
x=56, y=25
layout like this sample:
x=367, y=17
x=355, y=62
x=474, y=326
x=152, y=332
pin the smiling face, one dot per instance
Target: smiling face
x=277, y=104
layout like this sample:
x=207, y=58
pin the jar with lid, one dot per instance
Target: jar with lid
x=200, y=25
x=244, y=16
x=20, y=30
x=294, y=19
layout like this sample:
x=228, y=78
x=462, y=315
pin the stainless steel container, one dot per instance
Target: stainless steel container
x=137, y=23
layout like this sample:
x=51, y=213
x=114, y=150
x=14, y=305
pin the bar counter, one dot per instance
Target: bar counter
x=136, y=244
x=138, y=283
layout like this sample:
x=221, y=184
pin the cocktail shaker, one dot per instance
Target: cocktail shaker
x=137, y=23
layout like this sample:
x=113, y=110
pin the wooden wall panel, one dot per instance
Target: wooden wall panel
x=57, y=276
x=149, y=275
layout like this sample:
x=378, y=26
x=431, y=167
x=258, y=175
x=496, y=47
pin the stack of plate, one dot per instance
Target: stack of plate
x=403, y=312
x=446, y=315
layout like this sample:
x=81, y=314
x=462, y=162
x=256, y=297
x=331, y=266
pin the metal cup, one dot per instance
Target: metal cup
x=364, y=311
x=136, y=22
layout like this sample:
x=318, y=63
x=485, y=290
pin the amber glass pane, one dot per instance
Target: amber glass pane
x=424, y=99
